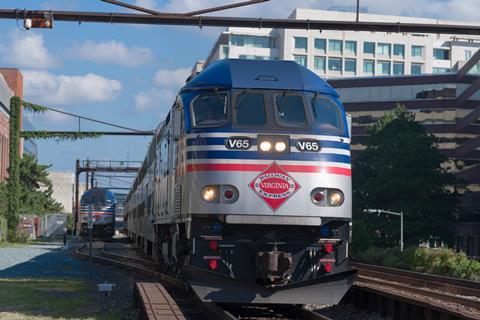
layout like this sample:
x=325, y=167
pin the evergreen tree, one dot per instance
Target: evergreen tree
x=35, y=190
x=401, y=170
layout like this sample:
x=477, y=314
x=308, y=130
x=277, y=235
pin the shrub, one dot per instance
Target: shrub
x=439, y=261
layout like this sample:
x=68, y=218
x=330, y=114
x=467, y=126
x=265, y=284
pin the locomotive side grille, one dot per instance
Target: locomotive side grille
x=178, y=200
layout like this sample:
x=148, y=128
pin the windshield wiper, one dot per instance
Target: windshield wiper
x=240, y=97
x=313, y=105
x=279, y=105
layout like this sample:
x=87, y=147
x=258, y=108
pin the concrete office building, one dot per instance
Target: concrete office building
x=63, y=189
x=333, y=54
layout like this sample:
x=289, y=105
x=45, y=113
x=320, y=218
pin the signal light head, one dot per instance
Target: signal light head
x=213, y=264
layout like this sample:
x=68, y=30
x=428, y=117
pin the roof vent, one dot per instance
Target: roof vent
x=266, y=78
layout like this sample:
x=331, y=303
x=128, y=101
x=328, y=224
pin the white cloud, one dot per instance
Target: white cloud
x=26, y=49
x=161, y=95
x=112, y=52
x=44, y=87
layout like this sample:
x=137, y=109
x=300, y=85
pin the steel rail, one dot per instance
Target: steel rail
x=137, y=264
x=420, y=276
x=216, y=21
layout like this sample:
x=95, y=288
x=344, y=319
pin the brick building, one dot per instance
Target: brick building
x=11, y=83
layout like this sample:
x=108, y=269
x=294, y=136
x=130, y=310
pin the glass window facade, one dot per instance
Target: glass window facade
x=368, y=67
x=252, y=41
x=369, y=47
x=383, y=68
x=320, y=45
x=351, y=47
x=398, y=68
x=440, y=70
x=319, y=64
x=351, y=65
x=399, y=50
x=300, y=59
x=253, y=57
x=441, y=54
x=301, y=43
x=416, y=68
x=225, y=51
x=417, y=51
x=335, y=46
x=335, y=64
x=383, y=49
x=468, y=54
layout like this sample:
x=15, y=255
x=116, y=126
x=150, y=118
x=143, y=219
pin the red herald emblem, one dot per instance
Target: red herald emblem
x=274, y=186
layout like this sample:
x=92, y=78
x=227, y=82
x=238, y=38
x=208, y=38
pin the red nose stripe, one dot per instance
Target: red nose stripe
x=261, y=167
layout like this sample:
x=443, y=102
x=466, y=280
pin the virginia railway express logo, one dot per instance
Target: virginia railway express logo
x=274, y=186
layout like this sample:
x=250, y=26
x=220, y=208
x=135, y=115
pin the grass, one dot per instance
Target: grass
x=48, y=299
x=5, y=244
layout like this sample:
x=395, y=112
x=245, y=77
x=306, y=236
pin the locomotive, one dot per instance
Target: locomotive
x=245, y=190
x=102, y=204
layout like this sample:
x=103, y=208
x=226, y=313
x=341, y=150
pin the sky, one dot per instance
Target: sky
x=129, y=74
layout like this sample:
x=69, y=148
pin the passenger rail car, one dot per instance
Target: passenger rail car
x=102, y=203
x=246, y=187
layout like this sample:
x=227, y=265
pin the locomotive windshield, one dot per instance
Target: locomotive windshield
x=97, y=198
x=326, y=113
x=210, y=110
x=250, y=109
x=290, y=111
x=266, y=108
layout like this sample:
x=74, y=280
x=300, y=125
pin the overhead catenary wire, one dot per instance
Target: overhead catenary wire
x=97, y=121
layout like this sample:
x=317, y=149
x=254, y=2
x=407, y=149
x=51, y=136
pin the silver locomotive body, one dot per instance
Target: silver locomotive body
x=246, y=187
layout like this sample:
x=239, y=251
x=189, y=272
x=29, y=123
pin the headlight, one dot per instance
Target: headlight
x=280, y=146
x=265, y=146
x=335, y=198
x=210, y=193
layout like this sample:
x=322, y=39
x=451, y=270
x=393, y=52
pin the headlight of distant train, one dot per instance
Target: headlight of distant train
x=265, y=146
x=335, y=198
x=210, y=193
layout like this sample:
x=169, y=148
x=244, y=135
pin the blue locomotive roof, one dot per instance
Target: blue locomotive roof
x=259, y=74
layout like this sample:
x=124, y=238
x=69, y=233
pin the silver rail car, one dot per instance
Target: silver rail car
x=246, y=187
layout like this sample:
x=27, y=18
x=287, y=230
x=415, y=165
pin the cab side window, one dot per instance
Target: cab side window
x=326, y=113
x=210, y=110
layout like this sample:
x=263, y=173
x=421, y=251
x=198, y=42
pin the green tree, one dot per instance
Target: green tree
x=401, y=170
x=35, y=190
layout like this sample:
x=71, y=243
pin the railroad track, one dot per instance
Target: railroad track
x=191, y=305
x=454, y=297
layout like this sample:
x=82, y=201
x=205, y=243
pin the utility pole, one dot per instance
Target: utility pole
x=77, y=194
x=358, y=10
x=392, y=213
